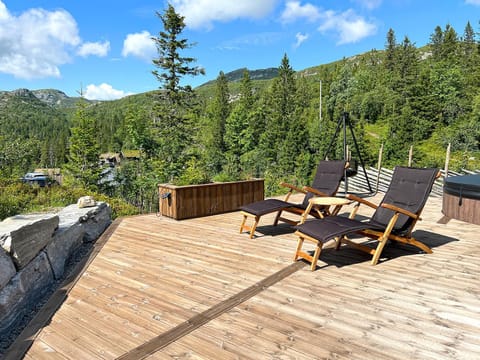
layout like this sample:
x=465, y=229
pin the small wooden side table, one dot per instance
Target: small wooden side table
x=336, y=202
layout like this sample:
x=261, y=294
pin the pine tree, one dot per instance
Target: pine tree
x=408, y=67
x=214, y=126
x=390, y=51
x=280, y=106
x=172, y=118
x=243, y=129
x=294, y=149
x=138, y=132
x=171, y=66
x=84, y=151
x=470, y=63
x=255, y=126
x=436, y=42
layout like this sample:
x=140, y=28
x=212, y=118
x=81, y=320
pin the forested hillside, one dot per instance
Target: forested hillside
x=31, y=133
x=275, y=128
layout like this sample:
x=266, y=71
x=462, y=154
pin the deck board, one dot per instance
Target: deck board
x=155, y=275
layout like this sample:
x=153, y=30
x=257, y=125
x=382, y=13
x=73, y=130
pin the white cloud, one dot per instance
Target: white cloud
x=94, y=48
x=369, y=4
x=139, y=45
x=103, y=92
x=35, y=43
x=202, y=13
x=301, y=38
x=473, y=2
x=294, y=11
x=348, y=26
x=3, y=12
x=258, y=39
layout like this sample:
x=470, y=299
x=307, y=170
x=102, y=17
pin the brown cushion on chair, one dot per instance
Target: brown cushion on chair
x=409, y=190
x=332, y=226
x=327, y=179
x=263, y=207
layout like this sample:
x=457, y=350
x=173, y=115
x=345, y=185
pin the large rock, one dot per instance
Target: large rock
x=7, y=269
x=23, y=236
x=25, y=289
x=94, y=220
x=11, y=310
x=37, y=276
x=66, y=240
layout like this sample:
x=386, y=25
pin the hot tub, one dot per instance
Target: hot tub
x=461, y=198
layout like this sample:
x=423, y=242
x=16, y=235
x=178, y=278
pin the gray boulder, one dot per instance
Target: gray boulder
x=66, y=240
x=26, y=288
x=7, y=269
x=94, y=220
x=23, y=236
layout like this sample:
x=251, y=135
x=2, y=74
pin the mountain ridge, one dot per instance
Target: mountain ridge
x=58, y=99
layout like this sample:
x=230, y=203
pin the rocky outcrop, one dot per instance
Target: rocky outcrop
x=25, y=235
x=7, y=269
x=26, y=287
x=34, y=250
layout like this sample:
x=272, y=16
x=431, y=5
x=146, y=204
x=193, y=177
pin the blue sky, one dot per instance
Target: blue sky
x=104, y=47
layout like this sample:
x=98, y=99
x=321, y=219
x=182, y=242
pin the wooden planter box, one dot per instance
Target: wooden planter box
x=189, y=201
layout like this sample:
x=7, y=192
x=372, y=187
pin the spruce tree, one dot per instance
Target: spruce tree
x=242, y=133
x=214, y=126
x=390, y=51
x=280, y=106
x=436, y=41
x=84, y=151
x=470, y=63
x=254, y=125
x=172, y=118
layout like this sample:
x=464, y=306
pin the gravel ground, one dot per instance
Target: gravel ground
x=7, y=339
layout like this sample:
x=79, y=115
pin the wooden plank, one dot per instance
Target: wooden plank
x=26, y=337
x=195, y=322
x=155, y=274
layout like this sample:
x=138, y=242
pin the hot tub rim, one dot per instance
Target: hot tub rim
x=465, y=186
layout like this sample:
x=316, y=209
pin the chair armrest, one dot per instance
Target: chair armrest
x=361, y=201
x=400, y=210
x=292, y=187
x=314, y=191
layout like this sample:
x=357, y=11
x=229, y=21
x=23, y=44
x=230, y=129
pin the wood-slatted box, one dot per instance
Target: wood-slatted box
x=190, y=201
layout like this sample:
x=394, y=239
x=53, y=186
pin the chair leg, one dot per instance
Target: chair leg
x=242, y=226
x=384, y=238
x=300, y=254
x=275, y=223
x=254, y=227
x=316, y=255
x=299, y=248
x=378, y=250
x=418, y=244
x=338, y=242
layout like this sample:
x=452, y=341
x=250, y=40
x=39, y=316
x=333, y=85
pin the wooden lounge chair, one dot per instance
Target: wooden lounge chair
x=326, y=182
x=394, y=219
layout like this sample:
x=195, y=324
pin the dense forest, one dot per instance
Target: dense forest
x=278, y=128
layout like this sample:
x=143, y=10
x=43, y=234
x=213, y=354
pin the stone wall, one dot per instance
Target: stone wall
x=34, y=250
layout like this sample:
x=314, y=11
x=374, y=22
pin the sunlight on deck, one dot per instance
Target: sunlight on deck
x=162, y=289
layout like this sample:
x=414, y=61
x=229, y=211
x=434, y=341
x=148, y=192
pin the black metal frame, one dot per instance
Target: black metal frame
x=343, y=122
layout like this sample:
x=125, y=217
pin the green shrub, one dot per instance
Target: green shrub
x=17, y=198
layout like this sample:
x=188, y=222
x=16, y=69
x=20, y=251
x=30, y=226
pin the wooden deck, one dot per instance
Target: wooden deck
x=196, y=289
